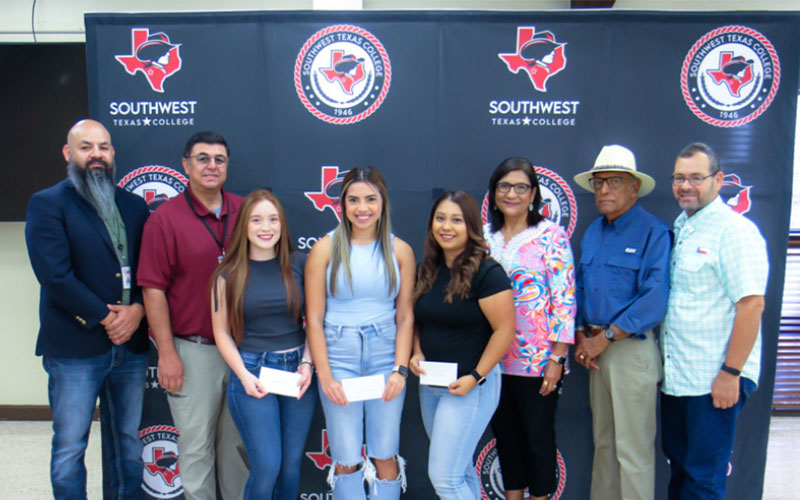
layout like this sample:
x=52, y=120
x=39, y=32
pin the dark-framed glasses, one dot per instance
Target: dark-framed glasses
x=519, y=188
x=204, y=160
x=614, y=182
x=694, y=180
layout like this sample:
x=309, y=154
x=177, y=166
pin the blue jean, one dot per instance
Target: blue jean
x=455, y=425
x=358, y=352
x=274, y=428
x=118, y=378
x=698, y=440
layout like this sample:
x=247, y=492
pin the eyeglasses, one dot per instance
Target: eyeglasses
x=520, y=188
x=694, y=180
x=204, y=160
x=613, y=182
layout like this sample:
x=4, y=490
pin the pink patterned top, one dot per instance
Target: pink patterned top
x=539, y=262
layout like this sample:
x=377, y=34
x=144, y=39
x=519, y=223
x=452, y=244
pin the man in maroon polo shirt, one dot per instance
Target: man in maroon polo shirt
x=183, y=242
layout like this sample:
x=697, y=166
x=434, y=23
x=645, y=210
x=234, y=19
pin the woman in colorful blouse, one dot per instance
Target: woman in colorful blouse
x=536, y=255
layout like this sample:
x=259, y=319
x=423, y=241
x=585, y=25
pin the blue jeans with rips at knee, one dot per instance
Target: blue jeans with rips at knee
x=358, y=351
x=117, y=377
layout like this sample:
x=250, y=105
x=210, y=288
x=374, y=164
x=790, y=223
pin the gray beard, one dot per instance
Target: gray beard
x=96, y=186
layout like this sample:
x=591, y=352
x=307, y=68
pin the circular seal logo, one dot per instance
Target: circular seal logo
x=488, y=467
x=154, y=183
x=342, y=74
x=161, y=476
x=558, y=200
x=730, y=76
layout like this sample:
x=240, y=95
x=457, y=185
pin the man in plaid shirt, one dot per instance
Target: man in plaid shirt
x=711, y=336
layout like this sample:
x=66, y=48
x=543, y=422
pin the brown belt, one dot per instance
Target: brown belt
x=197, y=339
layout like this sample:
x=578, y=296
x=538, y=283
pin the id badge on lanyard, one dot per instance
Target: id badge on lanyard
x=126, y=277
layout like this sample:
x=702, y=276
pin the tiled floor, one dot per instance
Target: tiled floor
x=25, y=455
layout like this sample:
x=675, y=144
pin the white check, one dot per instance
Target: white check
x=363, y=388
x=280, y=381
x=438, y=373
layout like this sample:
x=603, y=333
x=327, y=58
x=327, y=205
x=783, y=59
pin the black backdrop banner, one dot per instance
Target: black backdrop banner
x=436, y=100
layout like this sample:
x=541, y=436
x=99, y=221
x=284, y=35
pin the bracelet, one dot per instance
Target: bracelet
x=306, y=362
x=731, y=370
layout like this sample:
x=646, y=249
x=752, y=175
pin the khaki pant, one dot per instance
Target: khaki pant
x=623, y=398
x=207, y=432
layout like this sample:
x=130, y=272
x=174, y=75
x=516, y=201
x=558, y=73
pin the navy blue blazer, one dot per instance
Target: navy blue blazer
x=74, y=260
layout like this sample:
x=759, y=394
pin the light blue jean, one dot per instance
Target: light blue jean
x=274, y=428
x=358, y=352
x=118, y=378
x=455, y=425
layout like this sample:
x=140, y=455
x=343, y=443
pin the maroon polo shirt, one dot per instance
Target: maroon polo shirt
x=179, y=254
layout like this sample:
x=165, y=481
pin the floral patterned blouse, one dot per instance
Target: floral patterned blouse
x=539, y=262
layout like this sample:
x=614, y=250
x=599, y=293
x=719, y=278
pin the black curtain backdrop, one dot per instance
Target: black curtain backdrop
x=436, y=100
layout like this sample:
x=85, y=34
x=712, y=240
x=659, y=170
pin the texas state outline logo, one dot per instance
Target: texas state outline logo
x=152, y=54
x=730, y=76
x=539, y=55
x=330, y=189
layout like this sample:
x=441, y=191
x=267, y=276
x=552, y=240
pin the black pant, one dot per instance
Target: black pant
x=524, y=426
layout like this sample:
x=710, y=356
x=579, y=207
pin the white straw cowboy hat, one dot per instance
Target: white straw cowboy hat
x=616, y=158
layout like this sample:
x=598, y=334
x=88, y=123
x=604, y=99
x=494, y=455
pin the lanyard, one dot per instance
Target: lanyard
x=220, y=244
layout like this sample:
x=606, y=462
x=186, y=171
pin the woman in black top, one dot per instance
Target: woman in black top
x=257, y=315
x=464, y=315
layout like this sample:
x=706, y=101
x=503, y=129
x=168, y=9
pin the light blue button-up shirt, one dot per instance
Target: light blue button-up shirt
x=719, y=257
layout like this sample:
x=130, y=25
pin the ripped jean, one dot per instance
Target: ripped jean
x=358, y=351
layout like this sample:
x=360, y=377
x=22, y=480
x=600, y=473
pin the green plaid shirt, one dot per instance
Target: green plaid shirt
x=718, y=258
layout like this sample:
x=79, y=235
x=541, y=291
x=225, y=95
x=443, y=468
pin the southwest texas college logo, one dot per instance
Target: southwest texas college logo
x=487, y=466
x=730, y=76
x=154, y=183
x=737, y=195
x=342, y=74
x=161, y=476
x=538, y=54
x=558, y=200
x=330, y=189
x=152, y=54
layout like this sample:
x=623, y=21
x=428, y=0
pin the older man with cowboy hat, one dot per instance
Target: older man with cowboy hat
x=622, y=286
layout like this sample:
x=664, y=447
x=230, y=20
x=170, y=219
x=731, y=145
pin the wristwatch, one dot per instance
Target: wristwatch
x=558, y=359
x=402, y=370
x=481, y=379
x=609, y=335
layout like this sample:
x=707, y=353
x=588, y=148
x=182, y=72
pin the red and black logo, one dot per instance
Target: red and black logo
x=342, y=74
x=487, y=466
x=161, y=476
x=539, y=55
x=558, y=200
x=152, y=54
x=330, y=189
x=736, y=194
x=730, y=76
x=154, y=183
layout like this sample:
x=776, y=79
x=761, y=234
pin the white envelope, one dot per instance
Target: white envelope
x=280, y=381
x=438, y=373
x=363, y=388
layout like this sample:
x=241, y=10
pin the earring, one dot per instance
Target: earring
x=530, y=207
x=494, y=207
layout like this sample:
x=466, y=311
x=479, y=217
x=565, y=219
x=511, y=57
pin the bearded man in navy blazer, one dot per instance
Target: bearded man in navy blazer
x=83, y=238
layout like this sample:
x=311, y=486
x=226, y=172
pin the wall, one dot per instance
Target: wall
x=24, y=381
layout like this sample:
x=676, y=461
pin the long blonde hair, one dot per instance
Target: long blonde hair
x=235, y=266
x=340, y=243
